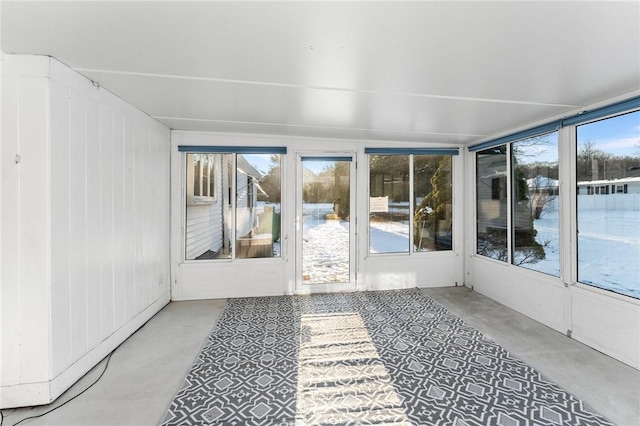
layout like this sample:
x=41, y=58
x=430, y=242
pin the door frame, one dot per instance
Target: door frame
x=301, y=288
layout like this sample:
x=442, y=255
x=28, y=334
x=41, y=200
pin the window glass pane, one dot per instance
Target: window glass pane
x=491, y=202
x=326, y=211
x=211, y=190
x=608, y=176
x=207, y=227
x=204, y=183
x=258, y=190
x=536, y=230
x=432, y=227
x=197, y=173
x=389, y=204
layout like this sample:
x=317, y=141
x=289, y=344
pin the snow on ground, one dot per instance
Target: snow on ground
x=389, y=237
x=325, y=246
x=608, y=246
x=609, y=250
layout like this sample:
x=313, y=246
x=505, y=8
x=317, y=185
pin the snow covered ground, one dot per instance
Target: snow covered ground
x=389, y=237
x=608, y=246
x=609, y=250
x=325, y=246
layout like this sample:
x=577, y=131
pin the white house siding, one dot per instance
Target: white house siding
x=244, y=215
x=84, y=225
x=610, y=187
x=204, y=230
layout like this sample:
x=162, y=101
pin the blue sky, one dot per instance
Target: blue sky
x=261, y=162
x=618, y=135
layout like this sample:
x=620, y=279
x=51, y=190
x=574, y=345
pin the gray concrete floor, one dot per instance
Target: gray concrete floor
x=146, y=370
x=609, y=386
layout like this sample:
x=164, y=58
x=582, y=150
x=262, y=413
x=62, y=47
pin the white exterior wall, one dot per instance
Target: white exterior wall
x=244, y=215
x=84, y=225
x=204, y=229
x=204, y=225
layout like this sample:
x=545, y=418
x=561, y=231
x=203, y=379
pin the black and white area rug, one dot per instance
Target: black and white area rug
x=369, y=358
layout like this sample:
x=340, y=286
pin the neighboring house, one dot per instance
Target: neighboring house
x=608, y=187
x=209, y=206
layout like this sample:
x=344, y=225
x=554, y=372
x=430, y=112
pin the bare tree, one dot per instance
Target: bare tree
x=587, y=161
x=542, y=192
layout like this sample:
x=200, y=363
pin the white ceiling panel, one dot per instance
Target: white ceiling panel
x=433, y=119
x=433, y=71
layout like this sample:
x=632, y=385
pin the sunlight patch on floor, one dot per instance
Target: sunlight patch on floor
x=340, y=376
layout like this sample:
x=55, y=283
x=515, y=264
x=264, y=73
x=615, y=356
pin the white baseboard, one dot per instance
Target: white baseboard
x=29, y=394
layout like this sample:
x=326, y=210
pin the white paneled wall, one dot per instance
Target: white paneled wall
x=84, y=226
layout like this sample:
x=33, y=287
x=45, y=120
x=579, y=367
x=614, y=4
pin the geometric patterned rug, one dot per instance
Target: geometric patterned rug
x=366, y=358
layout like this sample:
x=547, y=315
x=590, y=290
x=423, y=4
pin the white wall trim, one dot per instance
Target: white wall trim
x=28, y=394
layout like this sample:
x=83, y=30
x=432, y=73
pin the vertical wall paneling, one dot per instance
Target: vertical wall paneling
x=34, y=221
x=138, y=204
x=92, y=233
x=129, y=237
x=9, y=220
x=106, y=218
x=119, y=221
x=85, y=227
x=60, y=231
x=146, y=219
x=77, y=225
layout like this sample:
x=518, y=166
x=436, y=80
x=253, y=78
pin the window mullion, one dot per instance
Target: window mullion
x=510, y=204
x=411, y=206
x=234, y=201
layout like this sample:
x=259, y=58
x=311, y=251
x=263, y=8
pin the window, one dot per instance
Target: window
x=517, y=203
x=535, y=210
x=410, y=206
x=389, y=191
x=608, y=158
x=201, y=179
x=432, y=210
x=491, y=203
x=233, y=200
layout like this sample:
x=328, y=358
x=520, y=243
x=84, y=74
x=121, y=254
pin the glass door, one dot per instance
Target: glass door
x=326, y=223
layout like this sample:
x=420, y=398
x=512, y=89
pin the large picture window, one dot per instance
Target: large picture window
x=535, y=210
x=389, y=191
x=491, y=203
x=518, y=198
x=232, y=204
x=517, y=209
x=608, y=203
x=410, y=206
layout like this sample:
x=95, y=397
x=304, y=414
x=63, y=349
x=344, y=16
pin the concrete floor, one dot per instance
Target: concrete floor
x=146, y=370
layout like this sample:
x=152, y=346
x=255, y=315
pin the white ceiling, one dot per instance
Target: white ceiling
x=434, y=72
